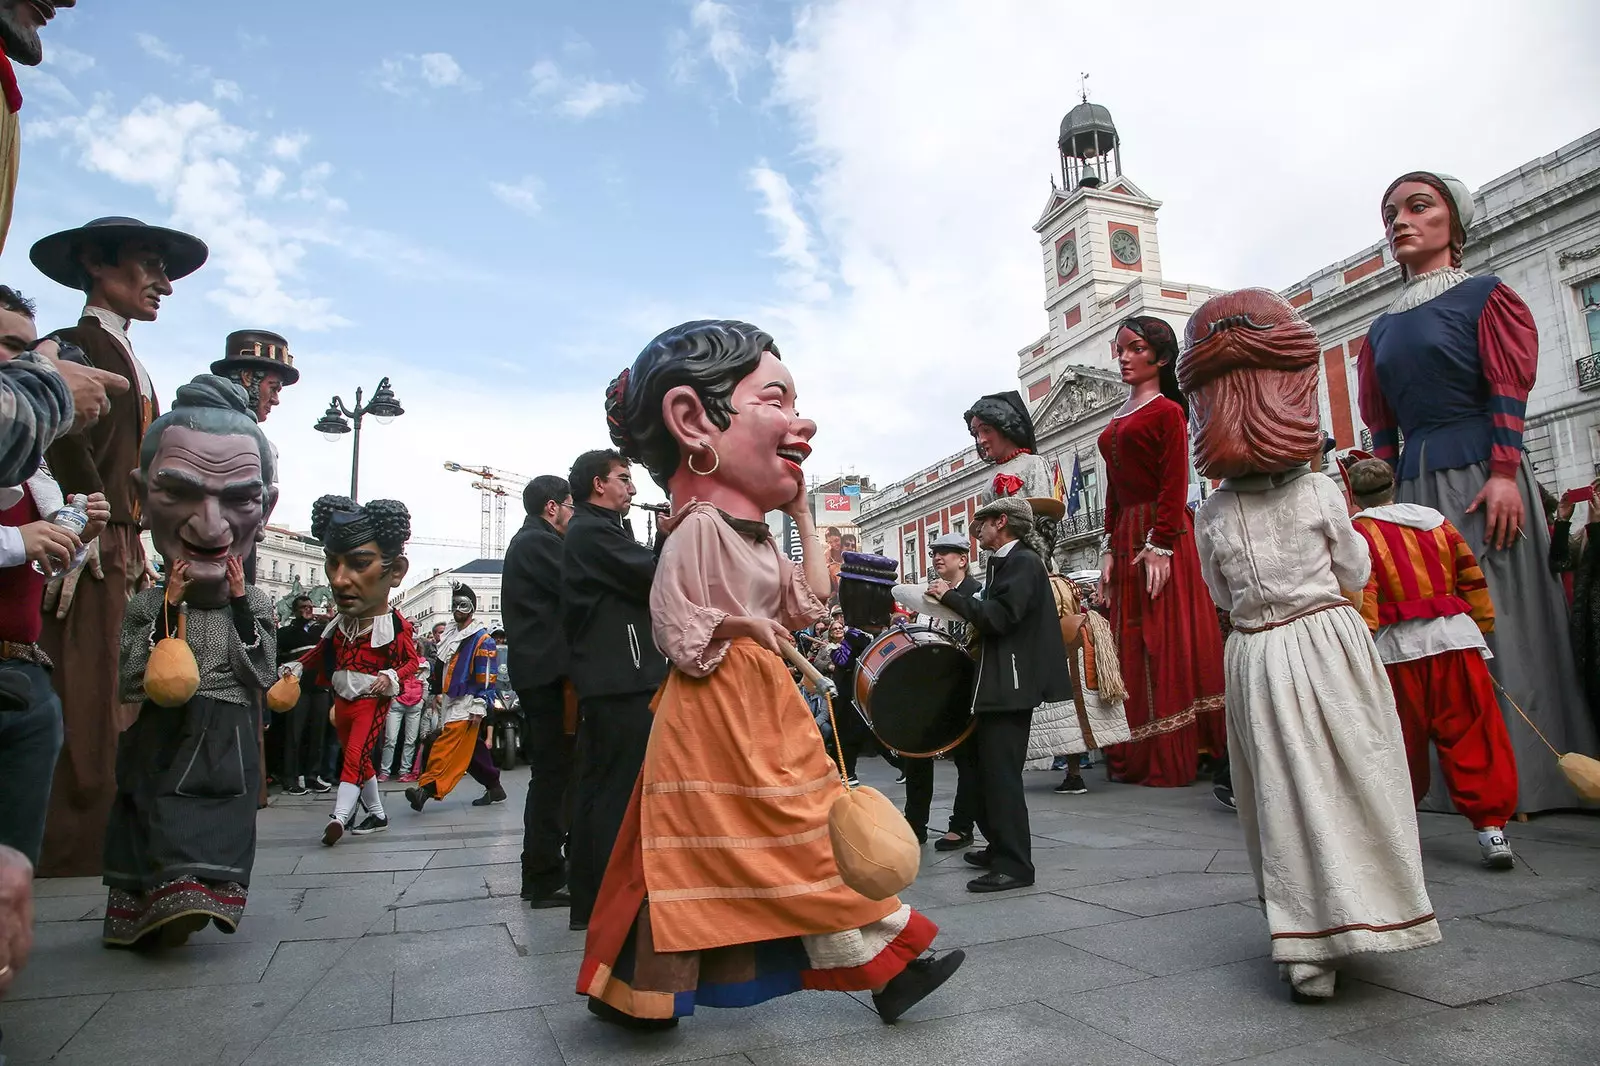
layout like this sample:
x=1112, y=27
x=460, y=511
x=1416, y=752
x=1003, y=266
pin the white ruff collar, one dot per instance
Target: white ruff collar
x=1424, y=287
x=355, y=628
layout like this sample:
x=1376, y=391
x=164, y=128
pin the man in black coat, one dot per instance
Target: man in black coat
x=1023, y=664
x=306, y=726
x=614, y=664
x=537, y=645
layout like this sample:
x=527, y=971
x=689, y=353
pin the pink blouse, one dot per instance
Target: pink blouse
x=709, y=572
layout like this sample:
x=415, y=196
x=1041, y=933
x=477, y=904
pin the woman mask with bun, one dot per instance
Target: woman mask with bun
x=1449, y=368
x=739, y=877
x=1317, y=756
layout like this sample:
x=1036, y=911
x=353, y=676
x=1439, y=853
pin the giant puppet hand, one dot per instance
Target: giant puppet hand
x=59, y=593
x=1501, y=503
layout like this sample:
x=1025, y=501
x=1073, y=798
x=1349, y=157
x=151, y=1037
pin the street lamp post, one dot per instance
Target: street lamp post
x=383, y=406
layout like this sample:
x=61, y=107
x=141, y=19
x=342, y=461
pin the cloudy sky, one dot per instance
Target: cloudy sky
x=499, y=206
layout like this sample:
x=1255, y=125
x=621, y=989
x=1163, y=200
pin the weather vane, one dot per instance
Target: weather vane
x=1083, y=86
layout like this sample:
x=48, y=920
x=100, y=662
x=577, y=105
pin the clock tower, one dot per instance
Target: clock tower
x=1097, y=236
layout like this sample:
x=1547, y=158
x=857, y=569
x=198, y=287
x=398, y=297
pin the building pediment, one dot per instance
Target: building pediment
x=1058, y=199
x=1079, y=392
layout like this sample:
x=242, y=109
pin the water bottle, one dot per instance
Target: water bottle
x=73, y=518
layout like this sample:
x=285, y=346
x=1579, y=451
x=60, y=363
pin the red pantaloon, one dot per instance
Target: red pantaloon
x=358, y=723
x=1449, y=699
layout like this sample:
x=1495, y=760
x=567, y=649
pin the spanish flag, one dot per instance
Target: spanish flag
x=1058, y=485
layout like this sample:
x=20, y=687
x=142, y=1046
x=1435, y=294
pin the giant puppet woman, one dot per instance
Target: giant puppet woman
x=722, y=889
x=1166, y=626
x=1448, y=368
x=181, y=837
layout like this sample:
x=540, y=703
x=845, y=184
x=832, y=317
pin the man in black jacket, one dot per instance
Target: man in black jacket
x=1023, y=664
x=531, y=591
x=306, y=725
x=614, y=664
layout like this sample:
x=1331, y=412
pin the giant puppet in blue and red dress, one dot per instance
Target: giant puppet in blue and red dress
x=1449, y=367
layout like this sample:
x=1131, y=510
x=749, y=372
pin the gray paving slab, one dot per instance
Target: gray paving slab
x=1557, y=860
x=1573, y=916
x=1554, y=1025
x=36, y=1029
x=520, y=1037
x=1024, y=1033
x=584, y=1040
x=446, y=886
x=1183, y=940
x=1015, y=971
x=1478, y=960
x=1097, y=866
x=1166, y=893
x=1229, y=1012
x=1230, y=861
x=1486, y=891
x=339, y=860
x=69, y=908
x=1320, y=1053
x=68, y=959
x=1005, y=916
x=476, y=856
x=220, y=1024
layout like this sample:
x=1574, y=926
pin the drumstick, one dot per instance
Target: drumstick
x=817, y=682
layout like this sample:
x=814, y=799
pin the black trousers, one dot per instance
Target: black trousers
x=305, y=734
x=1000, y=747
x=544, y=819
x=919, y=791
x=612, y=734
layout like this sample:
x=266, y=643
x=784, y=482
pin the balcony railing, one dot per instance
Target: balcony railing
x=1087, y=523
x=1589, y=371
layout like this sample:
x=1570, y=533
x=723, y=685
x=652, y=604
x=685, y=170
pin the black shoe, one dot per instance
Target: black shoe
x=331, y=835
x=981, y=859
x=577, y=925
x=371, y=824
x=995, y=881
x=417, y=796
x=559, y=898
x=297, y=787
x=319, y=785
x=946, y=843
x=492, y=795
x=607, y=1013
x=1072, y=785
x=1224, y=796
x=915, y=983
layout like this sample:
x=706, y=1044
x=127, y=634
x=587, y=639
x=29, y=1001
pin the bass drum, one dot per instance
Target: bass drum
x=914, y=688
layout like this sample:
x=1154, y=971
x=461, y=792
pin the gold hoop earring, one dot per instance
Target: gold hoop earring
x=716, y=461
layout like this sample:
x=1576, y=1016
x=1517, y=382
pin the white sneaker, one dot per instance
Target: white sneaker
x=1496, y=851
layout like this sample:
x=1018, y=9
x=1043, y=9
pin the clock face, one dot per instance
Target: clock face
x=1067, y=258
x=1125, y=246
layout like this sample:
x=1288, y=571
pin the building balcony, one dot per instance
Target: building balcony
x=1589, y=371
x=1087, y=523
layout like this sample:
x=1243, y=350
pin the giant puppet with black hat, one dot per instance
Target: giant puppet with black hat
x=259, y=361
x=125, y=268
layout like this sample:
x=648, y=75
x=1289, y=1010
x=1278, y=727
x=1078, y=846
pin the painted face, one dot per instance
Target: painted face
x=993, y=447
x=20, y=23
x=951, y=566
x=766, y=441
x=1416, y=219
x=134, y=285
x=360, y=582
x=1136, y=360
x=615, y=491
x=17, y=334
x=203, y=500
x=263, y=387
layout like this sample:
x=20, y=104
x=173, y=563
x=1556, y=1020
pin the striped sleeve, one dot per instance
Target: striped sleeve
x=1508, y=343
x=1369, y=595
x=1470, y=583
x=35, y=408
x=1375, y=410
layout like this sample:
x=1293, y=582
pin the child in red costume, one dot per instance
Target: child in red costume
x=368, y=652
x=1428, y=605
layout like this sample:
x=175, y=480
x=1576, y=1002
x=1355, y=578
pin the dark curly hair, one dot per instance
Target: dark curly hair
x=342, y=524
x=711, y=356
x=1164, y=343
x=209, y=404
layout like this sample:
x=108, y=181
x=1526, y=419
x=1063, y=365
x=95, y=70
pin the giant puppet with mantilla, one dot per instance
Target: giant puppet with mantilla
x=709, y=409
x=1003, y=431
x=367, y=651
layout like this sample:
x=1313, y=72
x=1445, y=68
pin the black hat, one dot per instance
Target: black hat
x=1006, y=412
x=257, y=349
x=56, y=256
x=861, y=566
x=460, y=591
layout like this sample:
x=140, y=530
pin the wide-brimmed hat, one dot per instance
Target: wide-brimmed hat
x=56, y=256
x=257, y=349
x=1018, y=515
x=863, y=566
x=1046, y=506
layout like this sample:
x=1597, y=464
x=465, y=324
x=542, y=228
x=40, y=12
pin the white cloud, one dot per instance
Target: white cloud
x=156, y=48
x=269, y=182
x=789, y=229
x=289, y=145
x=194, y=162
x=577, y=98
x=926, y=134
x=68, y=59
x=520, y=196
x=36, y=83
x=401, y=74
x=224, y=89
x=713, y=36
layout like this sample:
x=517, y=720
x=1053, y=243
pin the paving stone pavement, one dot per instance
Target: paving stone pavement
x=1140, y=944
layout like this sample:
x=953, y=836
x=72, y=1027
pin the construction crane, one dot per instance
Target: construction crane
x=493, y=486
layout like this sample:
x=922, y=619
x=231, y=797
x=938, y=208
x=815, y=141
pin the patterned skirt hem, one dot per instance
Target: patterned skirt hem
x=130, y=917
x=1360, y=940
x=1156, y=727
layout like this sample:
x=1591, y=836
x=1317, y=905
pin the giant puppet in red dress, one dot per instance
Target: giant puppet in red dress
x=1166, y=624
